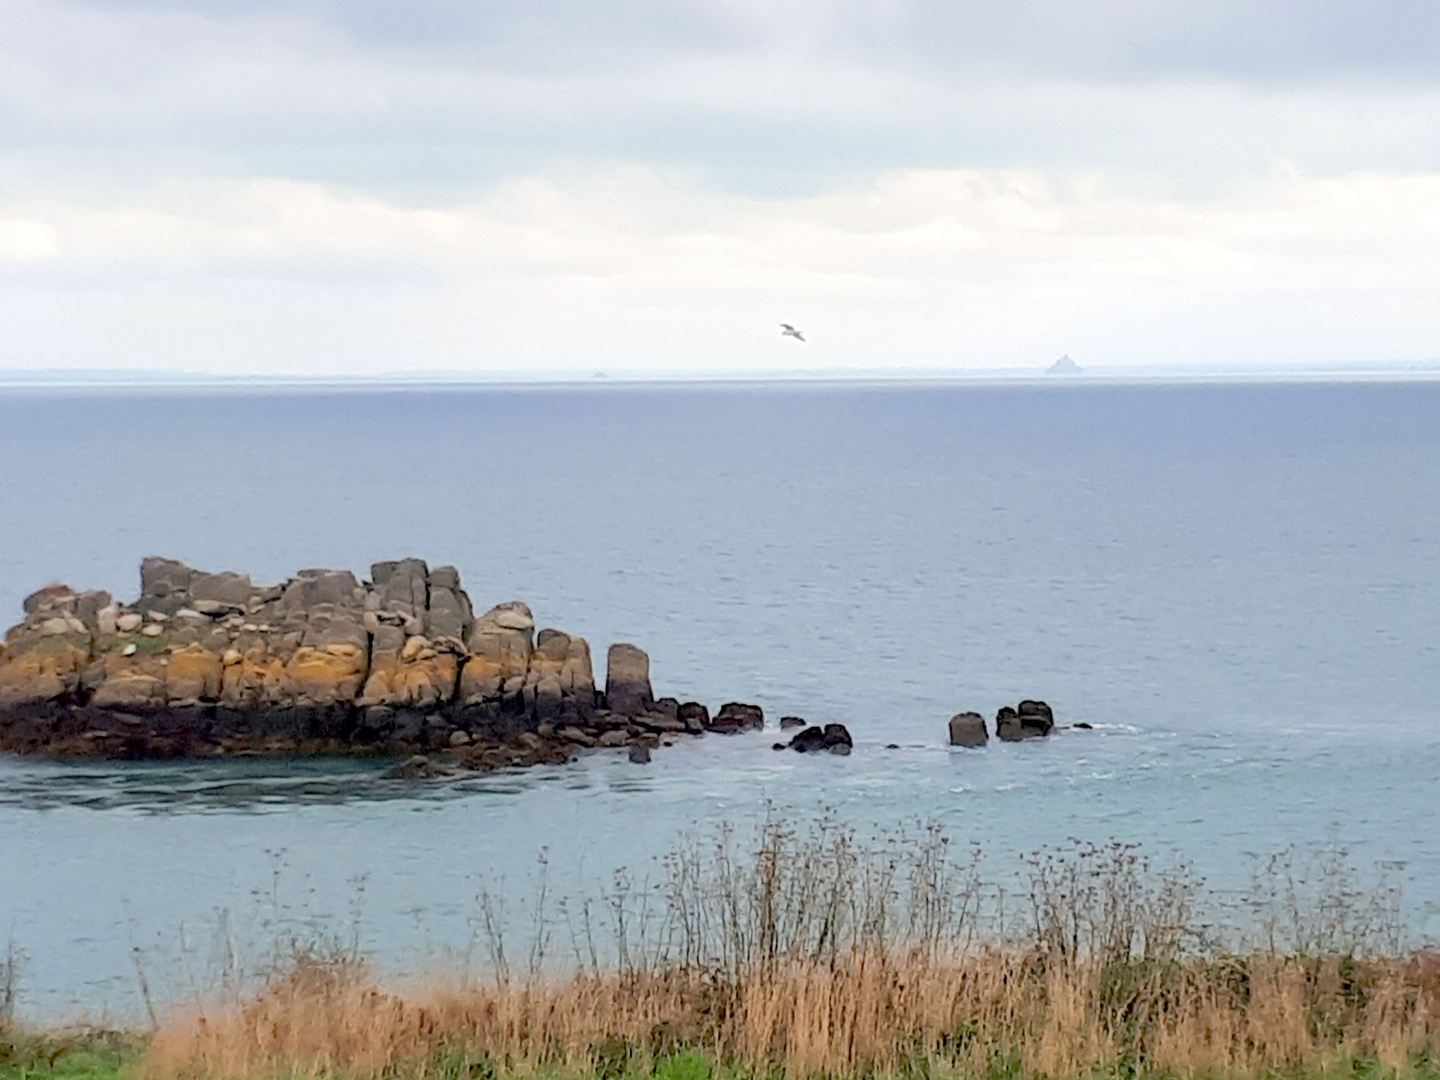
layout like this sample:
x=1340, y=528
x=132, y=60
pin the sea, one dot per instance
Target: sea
x=1237, y=584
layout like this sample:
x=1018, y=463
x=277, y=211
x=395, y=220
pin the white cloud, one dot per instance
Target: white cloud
x=630, y=268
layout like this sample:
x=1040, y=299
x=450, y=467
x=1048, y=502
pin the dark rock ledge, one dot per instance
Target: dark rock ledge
x=211, y=664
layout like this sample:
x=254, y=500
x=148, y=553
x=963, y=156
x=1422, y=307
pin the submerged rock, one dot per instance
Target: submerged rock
x=420, y=767
x=832, y=738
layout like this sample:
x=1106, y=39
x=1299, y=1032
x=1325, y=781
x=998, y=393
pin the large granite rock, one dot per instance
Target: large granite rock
x=500, y=646
x=627, y=681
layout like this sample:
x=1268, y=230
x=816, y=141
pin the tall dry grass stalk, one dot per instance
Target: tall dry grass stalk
x=814, y=955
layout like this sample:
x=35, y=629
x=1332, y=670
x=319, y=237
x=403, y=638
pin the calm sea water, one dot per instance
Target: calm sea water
x=1238, y=584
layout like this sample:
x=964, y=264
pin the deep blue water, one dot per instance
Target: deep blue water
x=1238, y=582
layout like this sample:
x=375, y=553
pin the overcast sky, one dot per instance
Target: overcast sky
x=362, y=186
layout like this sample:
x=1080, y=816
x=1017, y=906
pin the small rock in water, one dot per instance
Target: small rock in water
x=1083, y=726
x=735, y=716
x=809, y=740
x=640, y=754
x=414, y=768
x=788, y=722
x=1030, y=720
x=832, y=737
x=968, y=729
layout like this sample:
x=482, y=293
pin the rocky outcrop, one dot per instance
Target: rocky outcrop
x=212, y=663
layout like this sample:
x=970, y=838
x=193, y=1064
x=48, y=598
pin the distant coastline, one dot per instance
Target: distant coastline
x=167, y=379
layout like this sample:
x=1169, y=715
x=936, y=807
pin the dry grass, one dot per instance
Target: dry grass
x=814, y=956
x=991, y=1011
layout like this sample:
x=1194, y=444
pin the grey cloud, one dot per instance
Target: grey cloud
x=1260, y=40
x=1098, y=39
x=435, y=99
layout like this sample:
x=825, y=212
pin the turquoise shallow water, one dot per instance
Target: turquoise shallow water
x=1238, y=584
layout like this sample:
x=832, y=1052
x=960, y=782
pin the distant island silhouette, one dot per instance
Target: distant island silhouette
x=1064, y=366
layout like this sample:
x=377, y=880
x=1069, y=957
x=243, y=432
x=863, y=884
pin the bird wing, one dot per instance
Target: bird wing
x=787, y=328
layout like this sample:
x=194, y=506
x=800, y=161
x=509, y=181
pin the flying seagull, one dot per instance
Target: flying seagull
x=786, y=330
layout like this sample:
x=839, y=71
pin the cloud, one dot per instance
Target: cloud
x=1263, y=40
x=970, y=268
x=437, y=96
x=363, y=185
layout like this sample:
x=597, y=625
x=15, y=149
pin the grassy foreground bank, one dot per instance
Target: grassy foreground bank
x=810, y=956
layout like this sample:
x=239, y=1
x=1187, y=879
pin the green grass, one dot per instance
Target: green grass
x=108, y=1055
x=87, y=1055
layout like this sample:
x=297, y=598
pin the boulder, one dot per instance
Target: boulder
x=408, y=672
x=330, y=676
x=627, y=681
x=577, y=678
x=130, y=687
x=1037, y=713
x=968, y=729
x=1035, y=721
x=809, y=740
x=500, y=648
x=788, y=722
x=193, y=674
x=402, y=581
x=160, y=578
x=695, y=716
x=420, y=767
x=44, y=599
x=832, y=738
x=46, y=672
x=225, y=590
x=445, y=577
x=735, y=717
x=311, y=588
